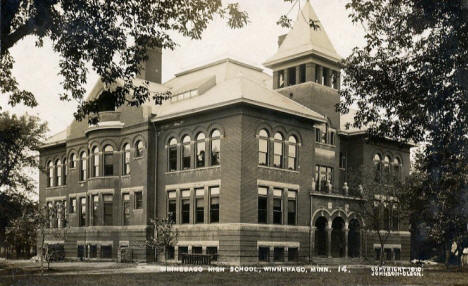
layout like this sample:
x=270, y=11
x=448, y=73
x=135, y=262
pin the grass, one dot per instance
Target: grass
x=357, y=276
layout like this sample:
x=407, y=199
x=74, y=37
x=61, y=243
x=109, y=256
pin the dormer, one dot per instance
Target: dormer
x=305, y=54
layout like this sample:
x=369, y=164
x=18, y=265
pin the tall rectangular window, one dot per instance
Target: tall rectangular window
x=317, y=73
x=263, y=150
x=185, y=206
x=95, y=209
x=292, y=207
x=108, y=209
x=263, y=254
x=199, y=206
x=323, y=177
x=342, y=160
x=126, y=209
x=317, y=135
x=172, y=206
x=281, y=79
x=262, y=204
x=173, y=158
x=277, y=206
x=72, y=205
x=82, y=211
x=186, y=156
x=292, y=154
x=106, y=251
x=214, y=204
x=292, y=76
x=302, y=73
x=278, y=254
x=332, y=138
x=108, y=164
x=138, y=200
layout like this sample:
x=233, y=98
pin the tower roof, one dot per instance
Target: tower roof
x=304, y=40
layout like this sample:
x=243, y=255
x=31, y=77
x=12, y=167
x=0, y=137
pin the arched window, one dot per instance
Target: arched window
x=58, y=172
x=95, y=162
x=186, y=152
x=83, y=166
x=378, y=167
x=386, y=167
x=215, y=147
x=126, y=159
x=72, y=161
x=139, y=148
x=172, y=154
x=65, y=171
x=50, y=174
x=397, y=167
x=108, y=160
x=263, y=147
x=292, y=153
x=278, y=150
x=200, y=159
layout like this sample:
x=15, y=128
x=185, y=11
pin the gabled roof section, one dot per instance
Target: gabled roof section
x=224, y=69
x=236, y=90
x=304, y=40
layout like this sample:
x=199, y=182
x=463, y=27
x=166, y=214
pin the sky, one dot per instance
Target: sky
x=36, y=69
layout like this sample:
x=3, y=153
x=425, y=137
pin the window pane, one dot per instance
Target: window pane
x=138, y=200
x=201, y=153
x=172, y=210
x=200, y=210
x=185, y=211
x=215, y=152
x=173, y=158
x=214, y=210
x=262, y=209
x=186, y=160
x=277, y=211
x=292, y=212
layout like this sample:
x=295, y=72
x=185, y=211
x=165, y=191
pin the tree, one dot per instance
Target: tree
x=164, y=236
x=409, y=82
x=112, y=36
x=18, y=228
x=381, y=201
x=51, y=222
x=20, y=138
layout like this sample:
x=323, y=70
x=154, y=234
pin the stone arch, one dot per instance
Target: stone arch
x=214, y=126
x=338, y=243
x=339, y=212
x=320, y=212
x=354, y=238
x=321, y=236
x=266, y=126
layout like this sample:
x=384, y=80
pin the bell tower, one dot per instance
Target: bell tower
x=306, y=67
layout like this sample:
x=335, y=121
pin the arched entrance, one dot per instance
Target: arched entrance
x=321, y=236
x=354, y=238
x=338, y=238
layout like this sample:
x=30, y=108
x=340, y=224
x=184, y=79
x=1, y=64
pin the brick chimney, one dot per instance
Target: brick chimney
x=152, y=68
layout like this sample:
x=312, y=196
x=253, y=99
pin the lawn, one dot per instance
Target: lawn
x=356, y=276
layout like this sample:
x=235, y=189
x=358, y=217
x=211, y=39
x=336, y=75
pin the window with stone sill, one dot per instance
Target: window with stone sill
x=186, y=152
x=139, y=149
x=138, y=200
x=215, y=147
x=278, y=150
x=200, y=150
x=263, y=147
x=126, y=160
x=172, y=154
x=108, y=160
